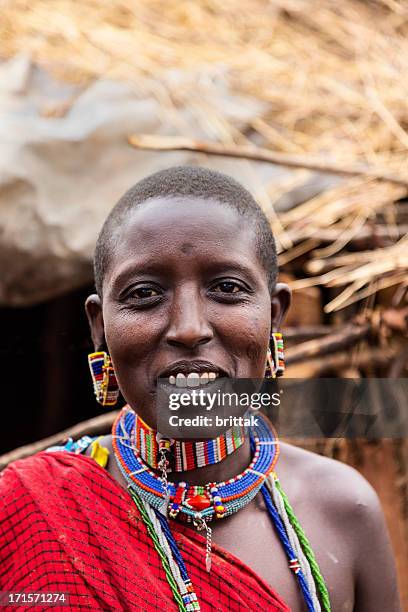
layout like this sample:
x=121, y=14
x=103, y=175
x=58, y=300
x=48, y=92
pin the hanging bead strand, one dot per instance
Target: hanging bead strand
x=293, y=561
x=314, y=566
x=294, y=541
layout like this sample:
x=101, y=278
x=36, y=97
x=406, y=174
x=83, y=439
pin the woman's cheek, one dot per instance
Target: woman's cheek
x=127, y=334
x=119, y=341
x=250, y=345
x=130, y=351
x=255, y=351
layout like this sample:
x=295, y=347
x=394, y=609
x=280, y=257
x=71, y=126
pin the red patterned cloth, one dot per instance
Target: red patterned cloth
x=67, y=526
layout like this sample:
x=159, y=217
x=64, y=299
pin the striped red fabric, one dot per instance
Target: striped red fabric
x=67, y=526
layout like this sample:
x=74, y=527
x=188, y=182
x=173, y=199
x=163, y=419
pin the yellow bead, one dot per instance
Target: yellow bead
x=99, y=453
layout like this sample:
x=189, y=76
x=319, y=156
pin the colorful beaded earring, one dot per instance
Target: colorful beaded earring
x=275, y=363
x=103, y=377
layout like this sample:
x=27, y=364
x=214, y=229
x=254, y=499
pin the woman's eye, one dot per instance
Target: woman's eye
x=142, y=296
x=227, y=287
x=144, y=292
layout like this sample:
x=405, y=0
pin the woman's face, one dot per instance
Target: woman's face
x=184, y=292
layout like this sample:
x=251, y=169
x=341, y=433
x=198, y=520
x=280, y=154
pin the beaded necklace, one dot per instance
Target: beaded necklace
x=301, y=559
x=150, y=500
x=186, y=454
x=199, y=504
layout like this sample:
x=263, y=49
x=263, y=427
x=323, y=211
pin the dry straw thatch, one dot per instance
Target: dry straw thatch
x=333, y=72
x=331, y=75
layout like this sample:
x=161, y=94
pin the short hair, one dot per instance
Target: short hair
x=186, y=181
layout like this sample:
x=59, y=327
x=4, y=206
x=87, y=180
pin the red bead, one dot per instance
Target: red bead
x=199, y=502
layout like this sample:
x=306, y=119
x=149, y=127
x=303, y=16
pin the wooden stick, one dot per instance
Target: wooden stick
x=332, y=343
x=367, y=358
x=307, y=332
x=366, y=234
x=395, y=319
x=399, y=365
x=96, y=426
x=168, y=143
x=356, y=258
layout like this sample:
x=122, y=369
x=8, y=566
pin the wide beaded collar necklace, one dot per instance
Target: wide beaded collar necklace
x=186, y=455
x=188, y=502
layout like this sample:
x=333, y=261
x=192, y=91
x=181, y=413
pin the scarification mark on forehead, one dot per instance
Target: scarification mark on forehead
x=187, y=248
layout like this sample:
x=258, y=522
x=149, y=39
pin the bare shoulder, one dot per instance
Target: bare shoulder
x=332, y=496
x=342, y=512
x=334, y=486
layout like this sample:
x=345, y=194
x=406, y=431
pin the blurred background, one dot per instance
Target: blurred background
x=303, y=101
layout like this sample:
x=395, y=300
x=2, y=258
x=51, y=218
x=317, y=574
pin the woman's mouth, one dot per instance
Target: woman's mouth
x=191, y=374
x=194, y=379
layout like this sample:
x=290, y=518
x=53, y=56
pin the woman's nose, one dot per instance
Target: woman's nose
x=189, y=326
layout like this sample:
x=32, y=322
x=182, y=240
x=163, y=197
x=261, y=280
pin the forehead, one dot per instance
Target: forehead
x=161, y=229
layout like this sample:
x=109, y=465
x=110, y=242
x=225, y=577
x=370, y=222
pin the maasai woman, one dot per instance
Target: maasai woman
x=186, y=292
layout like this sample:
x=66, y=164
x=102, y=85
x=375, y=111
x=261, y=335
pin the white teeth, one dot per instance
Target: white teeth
x=204, y=378
x=181, y=380
x=193, y=379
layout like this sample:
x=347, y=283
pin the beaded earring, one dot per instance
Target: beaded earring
x=275, y=363
x=103, y=377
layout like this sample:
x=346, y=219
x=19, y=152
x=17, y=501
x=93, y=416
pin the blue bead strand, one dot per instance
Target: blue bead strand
x=288, y=548
x=173, y=545
x=277, y=522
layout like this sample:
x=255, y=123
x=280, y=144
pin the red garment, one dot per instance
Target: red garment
x=67, y=526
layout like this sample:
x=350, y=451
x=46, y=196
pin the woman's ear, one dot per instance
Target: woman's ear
x=280, y=302
x=93, y=309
